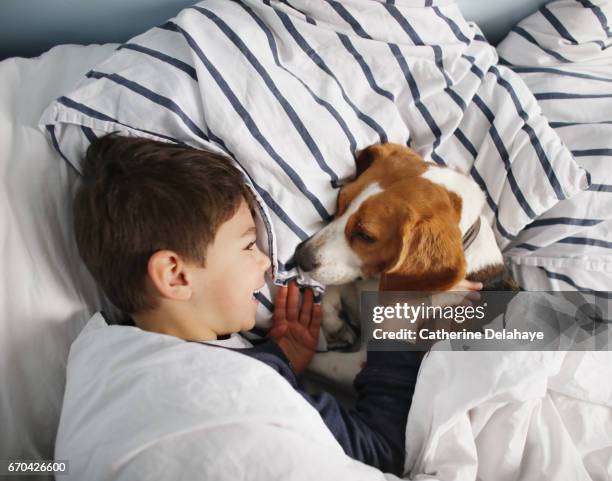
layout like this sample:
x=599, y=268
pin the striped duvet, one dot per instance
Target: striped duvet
x=563, y=54
x=291, y=89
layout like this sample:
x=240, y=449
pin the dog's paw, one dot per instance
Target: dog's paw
x=341, y=339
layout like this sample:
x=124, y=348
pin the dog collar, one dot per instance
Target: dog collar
x=471, y=234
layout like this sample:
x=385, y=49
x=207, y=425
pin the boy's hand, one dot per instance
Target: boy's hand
x=296, y=330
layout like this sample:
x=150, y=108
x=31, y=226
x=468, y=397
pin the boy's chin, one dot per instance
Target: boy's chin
x=249, y=324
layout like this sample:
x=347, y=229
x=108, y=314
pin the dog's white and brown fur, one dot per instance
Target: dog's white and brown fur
x=418, y=223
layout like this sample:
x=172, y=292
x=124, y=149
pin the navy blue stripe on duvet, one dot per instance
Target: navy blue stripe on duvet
x=587, y=241
x=562, y=31
x=523, y=33
x=568, y=280
x=153, y=97
x=267, y=303
x=562, y=220
x=416, y=39
x=474, y=68
x=528, y=246
x=89, y=133
x=556, y=71
x=358, y=29
x=272, y=43
x=503, y=153
x=285, y=2
x=266, y=197
x=90, y=112
x=572, y=240
x=365, y=68
x=557, y=25
x=599, y=14
x=453, y=26
x=556, y=125
x=185, y=67
x=456, y=98
x=348, y=18
x=499, y=144
x=289, y=110
x=414, y=91
x=600, y=188
x=535, y=142
x=51, y=130
x=250, y=123
x=395, y=13
x=592, y=152
x=568, y=96
x=319, y=62
x=480, y=181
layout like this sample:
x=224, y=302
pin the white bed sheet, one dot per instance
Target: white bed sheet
x=46, y=295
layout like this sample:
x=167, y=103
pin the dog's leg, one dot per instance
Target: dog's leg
x=338, y=367
x=336, y=331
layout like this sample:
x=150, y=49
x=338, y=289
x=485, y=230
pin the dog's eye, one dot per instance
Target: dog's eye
x=363, y=237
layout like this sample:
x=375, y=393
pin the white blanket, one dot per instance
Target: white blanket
x=140, y=405
x=512, y=416
x=518, y=415
x=148, y=406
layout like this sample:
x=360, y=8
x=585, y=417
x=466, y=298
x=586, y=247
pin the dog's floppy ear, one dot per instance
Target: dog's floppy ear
x=364, y=159
x=430, y=258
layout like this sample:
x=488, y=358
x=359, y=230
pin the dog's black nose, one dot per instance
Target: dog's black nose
x=304, y=258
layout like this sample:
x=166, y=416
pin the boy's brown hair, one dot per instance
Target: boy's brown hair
x=140, y=196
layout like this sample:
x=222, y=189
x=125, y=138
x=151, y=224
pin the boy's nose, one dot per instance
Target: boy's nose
x=265, y=261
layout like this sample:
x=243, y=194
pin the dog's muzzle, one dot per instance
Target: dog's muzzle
x=304, y=257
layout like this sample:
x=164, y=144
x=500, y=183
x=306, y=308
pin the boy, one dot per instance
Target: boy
x=168, y=234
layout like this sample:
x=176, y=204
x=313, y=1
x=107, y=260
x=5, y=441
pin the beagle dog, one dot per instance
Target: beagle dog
x=418, y=223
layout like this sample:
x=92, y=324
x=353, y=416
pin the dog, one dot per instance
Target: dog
x=417, y=223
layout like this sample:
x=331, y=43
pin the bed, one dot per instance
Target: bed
x=553, y=75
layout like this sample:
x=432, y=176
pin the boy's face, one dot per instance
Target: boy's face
x=235, y=269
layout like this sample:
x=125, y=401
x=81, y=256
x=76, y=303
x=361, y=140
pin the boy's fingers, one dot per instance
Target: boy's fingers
x=315, y=323
x=305, y=311
x=293, y=298
x=280, y=303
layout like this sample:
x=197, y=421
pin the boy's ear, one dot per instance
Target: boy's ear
x=169, y=275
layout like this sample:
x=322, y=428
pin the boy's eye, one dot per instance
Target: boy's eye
x=250, y=246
